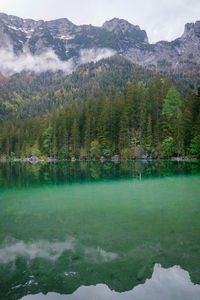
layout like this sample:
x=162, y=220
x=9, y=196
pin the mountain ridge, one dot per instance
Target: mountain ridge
x=116, y=36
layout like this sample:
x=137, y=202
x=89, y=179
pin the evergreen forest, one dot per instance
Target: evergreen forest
x=141, y=119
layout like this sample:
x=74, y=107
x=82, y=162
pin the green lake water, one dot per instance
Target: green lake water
x=100, y=231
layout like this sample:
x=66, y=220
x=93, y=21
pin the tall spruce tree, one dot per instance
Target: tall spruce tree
x=75, y=139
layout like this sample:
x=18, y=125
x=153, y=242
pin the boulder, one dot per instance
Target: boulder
x=102, y=159
x=115, y=158
x=33, y=159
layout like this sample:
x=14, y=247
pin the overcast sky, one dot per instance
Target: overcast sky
x=162, y=19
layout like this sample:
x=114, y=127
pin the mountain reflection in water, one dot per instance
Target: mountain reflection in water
x=165, y=284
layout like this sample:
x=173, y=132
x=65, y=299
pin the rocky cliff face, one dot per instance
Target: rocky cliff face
x=67, y=40
x=180, y=56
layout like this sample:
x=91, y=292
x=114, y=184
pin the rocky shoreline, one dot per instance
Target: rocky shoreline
x=114, y=159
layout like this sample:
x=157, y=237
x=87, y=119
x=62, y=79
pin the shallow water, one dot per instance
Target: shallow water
x=100, y=231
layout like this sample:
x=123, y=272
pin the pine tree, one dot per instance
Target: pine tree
x=173, y=119
x=124, y=138
x=75, y=139
x=149, y=138
x=47, y=140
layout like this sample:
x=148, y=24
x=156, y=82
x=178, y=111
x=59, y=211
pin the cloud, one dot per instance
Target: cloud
x=52, y=251
x=43, y=249
x=98, y=255
x=95, y=54
x=46, y=61
x=172, y=283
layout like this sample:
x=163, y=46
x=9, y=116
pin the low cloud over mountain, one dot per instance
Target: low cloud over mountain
x=11, y=63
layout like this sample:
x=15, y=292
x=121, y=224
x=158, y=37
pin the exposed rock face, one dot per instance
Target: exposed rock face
x=123, y=28
x=180, y=56
x=34, y=36
x=65, y=38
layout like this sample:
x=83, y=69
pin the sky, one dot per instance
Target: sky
x=162, y=19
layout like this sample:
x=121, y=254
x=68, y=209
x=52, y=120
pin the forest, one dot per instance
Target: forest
x=142, y=119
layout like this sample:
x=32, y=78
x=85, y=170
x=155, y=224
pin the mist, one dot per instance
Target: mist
x=89, y=55
x=10, y=63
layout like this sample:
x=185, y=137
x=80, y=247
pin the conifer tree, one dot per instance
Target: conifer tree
x=75, y=139
x=47, y=140
x=124, y=138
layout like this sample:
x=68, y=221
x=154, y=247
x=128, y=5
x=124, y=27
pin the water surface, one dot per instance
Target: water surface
x=88, y=229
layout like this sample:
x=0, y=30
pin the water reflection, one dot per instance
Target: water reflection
x=14, y=250
x=166, y=284
x=25, y=174
x=75, y=228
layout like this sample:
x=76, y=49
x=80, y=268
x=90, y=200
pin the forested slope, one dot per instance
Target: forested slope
x=28, y=94
x=150, y=119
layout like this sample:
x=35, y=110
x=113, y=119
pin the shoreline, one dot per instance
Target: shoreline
x=104, y=160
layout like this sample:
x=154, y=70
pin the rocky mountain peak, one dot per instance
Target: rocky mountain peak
x=68, y=41
x=123, y=27
x=197, y=28
x=115, y=23
x=191, y=30
x=60, y=22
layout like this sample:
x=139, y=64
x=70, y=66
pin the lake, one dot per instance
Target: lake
x=91, y=230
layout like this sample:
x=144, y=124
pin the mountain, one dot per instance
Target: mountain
x=81, y=44
x=83, y=91
x=28, y=94
x=177, y=57
x=65, y=38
